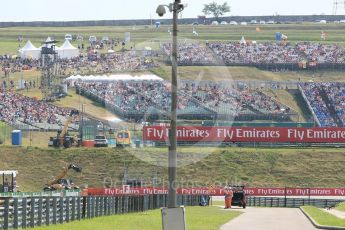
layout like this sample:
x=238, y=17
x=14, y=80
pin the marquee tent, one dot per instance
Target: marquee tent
x=29, y=51
x=243, y=41
x=67, y=51
x=112, y=78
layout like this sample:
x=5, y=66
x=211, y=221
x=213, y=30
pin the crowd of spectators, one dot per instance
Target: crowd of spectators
x=16, y=107
x=257, y=53
x=191, y=53
x=321, y=53
x=143, y=96
x=336, y=94
x=313, y=92
x=88, y=63
x=329, y=107
x=94, y=63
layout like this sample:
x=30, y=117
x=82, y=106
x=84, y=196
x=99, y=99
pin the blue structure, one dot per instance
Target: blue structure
x=16, y=137
x=278, y=36
x=158, y=24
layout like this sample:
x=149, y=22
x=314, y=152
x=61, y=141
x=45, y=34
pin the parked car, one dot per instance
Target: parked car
x=223, y=23
x=253, y=22
x=101, y=141
x=195, y=23
x=215, y=23
x=233, y=23
x=262, y=22
x=323, y=21
x=270, y=22
x=68, y=37
x=342, y=21
x=244, y=23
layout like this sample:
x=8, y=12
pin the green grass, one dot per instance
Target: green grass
x=305, y=167
x=142, y=36
x=340, y=207
x=197, y=218
x=324, y=218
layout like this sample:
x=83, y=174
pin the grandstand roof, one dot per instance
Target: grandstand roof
x=122, y=77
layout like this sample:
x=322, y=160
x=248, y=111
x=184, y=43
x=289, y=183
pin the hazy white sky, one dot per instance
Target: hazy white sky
x=66, y=10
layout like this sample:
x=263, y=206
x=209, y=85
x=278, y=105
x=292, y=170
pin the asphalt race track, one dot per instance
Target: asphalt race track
x=269, y=219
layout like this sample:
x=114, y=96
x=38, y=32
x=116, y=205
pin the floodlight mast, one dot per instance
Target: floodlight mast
x=175, y=8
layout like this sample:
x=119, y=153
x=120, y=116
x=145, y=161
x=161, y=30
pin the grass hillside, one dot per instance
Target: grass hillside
x=254, y=167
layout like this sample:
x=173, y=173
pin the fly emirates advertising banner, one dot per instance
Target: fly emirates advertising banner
x=246, y=134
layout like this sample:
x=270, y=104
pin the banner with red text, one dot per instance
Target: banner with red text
x=246, y=134
x=127, y=190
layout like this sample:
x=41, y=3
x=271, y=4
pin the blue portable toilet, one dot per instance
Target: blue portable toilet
x=158, y=24
x=278, y=36
x=16, y=137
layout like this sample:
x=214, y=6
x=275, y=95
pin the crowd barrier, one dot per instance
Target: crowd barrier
x=291, y=202
x=26, y=212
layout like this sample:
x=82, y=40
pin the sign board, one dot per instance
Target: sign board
x=246, y=134
x=218, y=191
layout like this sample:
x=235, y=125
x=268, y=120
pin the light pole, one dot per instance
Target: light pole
x=175, y=7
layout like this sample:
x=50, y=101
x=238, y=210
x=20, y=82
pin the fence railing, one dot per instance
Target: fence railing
x=290, y=202
x=38, y=211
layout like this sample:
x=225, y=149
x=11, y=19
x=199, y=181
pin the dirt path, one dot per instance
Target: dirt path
x=269, y=219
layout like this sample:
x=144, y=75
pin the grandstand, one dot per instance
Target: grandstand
x=29, y=113
x=150, y=100
x=267, y=55
x=326, y=101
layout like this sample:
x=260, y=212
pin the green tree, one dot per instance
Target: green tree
x=216, y=10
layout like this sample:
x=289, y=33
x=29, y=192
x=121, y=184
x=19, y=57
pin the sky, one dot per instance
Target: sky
x=67, y=10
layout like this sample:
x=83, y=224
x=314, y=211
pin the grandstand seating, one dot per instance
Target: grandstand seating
x=204, y=100
x=327, y=101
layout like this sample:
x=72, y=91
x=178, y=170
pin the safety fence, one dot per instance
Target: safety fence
x=28, y=212
x=291, y=202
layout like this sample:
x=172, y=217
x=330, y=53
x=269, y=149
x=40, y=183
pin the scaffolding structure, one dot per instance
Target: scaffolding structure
x=50, y=69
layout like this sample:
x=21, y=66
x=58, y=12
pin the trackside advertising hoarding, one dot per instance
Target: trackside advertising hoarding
x=127, y=190
x=246, y=134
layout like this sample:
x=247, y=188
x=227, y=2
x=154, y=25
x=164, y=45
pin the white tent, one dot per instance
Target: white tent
x=243, y=41
x=67, y=50
x=29, y=51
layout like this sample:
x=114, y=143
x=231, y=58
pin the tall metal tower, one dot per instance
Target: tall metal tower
x=337, y=4
x=50, y=70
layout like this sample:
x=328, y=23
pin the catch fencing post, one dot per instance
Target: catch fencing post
x=47, y=206
x=82, y=213
x=54, y=209
x=73, y=208
x=40, y=210
x=15, y=213
x=32, y=212
x=24, y=212
x=67, y=200
x=6, y=212
x=61, y=210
